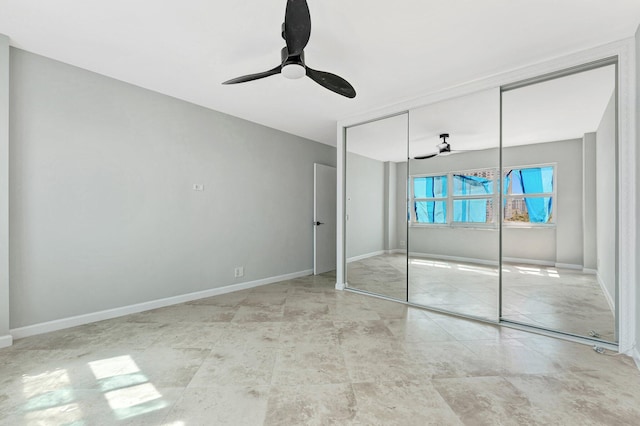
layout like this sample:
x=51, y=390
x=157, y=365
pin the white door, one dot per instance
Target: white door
x=324, y=218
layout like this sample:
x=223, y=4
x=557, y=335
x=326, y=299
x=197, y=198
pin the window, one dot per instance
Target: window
x=430, y=199
x=528, y=195
x=471, y=197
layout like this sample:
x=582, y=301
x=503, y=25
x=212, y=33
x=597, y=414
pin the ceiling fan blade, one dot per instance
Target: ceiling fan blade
x=424, y=157
x=332, y=82
x=256, y=76
x=297, y=26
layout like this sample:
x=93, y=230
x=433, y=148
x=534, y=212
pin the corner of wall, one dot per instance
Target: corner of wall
x=6, y=341
x=4, y=191
x=636, y=353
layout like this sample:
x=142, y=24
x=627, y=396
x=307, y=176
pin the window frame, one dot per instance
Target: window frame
x=495, y=198
x=413, y=216
x=498, y=209
x=450, y=198
x=554, y=202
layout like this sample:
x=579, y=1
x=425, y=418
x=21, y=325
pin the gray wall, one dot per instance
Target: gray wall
x=102, y=210
x=559, y=244
x=401, y=205
x=589, y=200
x=4, y=190
x=606, y=198
x=637, y=119
x=365, y=208
x=390, y=206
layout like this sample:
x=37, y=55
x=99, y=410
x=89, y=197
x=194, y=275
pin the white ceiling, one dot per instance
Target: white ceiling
x=554, y=110
x=389, y=51
x=560, y=109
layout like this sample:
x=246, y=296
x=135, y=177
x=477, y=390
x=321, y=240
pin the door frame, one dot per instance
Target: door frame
x=315, y=210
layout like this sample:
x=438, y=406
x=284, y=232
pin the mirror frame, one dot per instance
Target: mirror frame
x=624, y=50
x=567, y=72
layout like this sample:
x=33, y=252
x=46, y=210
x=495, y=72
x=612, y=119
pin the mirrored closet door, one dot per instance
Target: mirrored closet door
x=376, y=207
x=454, y=214
x=560, y=202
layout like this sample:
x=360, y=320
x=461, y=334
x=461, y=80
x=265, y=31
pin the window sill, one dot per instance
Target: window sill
x=528, y=225
x=454, y=226
x=483, y=228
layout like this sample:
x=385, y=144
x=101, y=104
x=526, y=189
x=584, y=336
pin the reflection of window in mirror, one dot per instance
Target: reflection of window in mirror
x=529, y=195
x=429, y=199
x=468, y=198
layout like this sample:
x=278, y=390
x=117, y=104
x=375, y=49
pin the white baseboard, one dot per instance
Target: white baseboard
x=395, y=251
x=636, y=357
x=453, y=258
x=46, y=327
x=365, y=256
x=6, y=341
x=589, y=271
x=528, y=261
x=341, y=286
x=568, y=266
x=607, y=296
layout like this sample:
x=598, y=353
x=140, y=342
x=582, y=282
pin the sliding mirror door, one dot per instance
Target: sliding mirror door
x=376, y=207
x=560, y=204
x=454, y=152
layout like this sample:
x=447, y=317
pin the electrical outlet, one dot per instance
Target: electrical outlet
x=198, y=187
x=239, y=272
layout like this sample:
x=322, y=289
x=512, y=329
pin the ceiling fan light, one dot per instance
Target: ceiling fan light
x=293, y=71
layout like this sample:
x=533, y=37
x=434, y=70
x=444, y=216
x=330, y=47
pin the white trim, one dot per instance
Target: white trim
x=627, y=163
x=6, y=341
x=341, y=254
x=5, y=112
x=395, y=251
x=529, y=261
x=315, y=218
x=366, y=256
x=636, y=357
x=569, y=266
x=589, y=271
x=607, y=296
x=453, y=258
x=60, y=324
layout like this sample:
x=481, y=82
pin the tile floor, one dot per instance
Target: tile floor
x=298, y=353
x=554, y=298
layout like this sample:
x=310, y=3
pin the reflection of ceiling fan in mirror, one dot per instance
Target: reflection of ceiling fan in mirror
x=444, y=148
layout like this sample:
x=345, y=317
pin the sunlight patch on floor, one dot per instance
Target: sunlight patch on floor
x=430, y=263
x=126, y=388
x=111, y=367
x=135, y=400
x=55, y=406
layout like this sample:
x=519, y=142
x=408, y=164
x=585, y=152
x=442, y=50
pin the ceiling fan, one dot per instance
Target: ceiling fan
x=296, y=31
x=444, y=148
